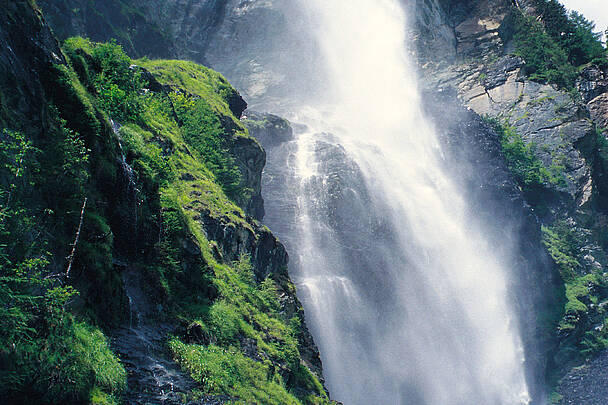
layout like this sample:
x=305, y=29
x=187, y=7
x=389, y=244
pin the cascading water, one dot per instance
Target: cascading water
x=407, y=302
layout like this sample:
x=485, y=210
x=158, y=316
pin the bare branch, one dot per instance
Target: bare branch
x=73, y=253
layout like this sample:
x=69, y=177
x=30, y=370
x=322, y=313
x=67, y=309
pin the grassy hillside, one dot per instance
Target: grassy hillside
x=129, y=167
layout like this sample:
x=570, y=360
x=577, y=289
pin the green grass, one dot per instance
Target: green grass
x=177, y=142
x=228, y=371
x=196, y=80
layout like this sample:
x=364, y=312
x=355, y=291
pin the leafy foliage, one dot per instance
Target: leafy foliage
x=46, y=356
x=556, y=45
x=584, y=289
x=202, y=129
x=572, y=31
x=115, y=83
x=545, y=60
x=531, y=174
x=564, y=244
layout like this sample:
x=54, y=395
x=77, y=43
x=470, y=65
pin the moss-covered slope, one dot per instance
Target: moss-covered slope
x=114, y=170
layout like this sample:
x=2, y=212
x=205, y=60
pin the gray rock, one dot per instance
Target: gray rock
x=250, y=159
x=592, y=83
x=269, y=129
x=499, y=72
x=587, y=384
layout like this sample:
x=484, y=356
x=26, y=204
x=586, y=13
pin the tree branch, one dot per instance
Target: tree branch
x=73, y=253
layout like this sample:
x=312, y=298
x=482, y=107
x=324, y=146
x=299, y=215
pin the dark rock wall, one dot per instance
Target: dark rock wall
x=29, y=48
x=101, y=21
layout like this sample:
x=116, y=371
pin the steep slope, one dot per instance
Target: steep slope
x=126, y=188
x=122, y=20
x=246, y=41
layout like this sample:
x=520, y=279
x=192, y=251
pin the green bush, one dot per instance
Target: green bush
x=202, y=129
x=45, y=356
x=117, y=85
x=564, y=245
x=64, y=365
x=545, y=60
x=529, y=171
x=228, y=371
x=554, y=46
x=574, y=33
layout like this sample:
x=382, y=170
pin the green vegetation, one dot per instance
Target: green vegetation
x=574, y=34
x=531, y=174
x=554, y=46
x=228, y=371
x=203, y=131
x=246, y=313
x=198, y=113
x=46, y=355
x=138, y=193
x=585, y=288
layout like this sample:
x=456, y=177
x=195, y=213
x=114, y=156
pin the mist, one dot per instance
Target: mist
x=405, y=297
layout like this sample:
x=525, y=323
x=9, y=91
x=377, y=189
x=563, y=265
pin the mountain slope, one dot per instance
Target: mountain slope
x=126, y=188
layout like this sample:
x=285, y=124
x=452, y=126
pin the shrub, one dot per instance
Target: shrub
x=529, y=171
x=116, y=84
x=571, y=31
x=564, y=245
x=202, y=129
x=545, y=60
x=554, y=46
x=228, y=371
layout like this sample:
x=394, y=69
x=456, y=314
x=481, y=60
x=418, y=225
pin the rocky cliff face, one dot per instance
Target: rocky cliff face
x=101, y=21
x=29, y=48
x=489, y=80
x=460, y=48
x=245, y=40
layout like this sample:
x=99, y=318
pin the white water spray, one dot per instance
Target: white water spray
x=415, y=310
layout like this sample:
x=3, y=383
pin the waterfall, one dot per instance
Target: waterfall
x=405, y=298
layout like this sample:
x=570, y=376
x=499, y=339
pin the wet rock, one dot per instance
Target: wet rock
x=269, y=129
x=250, y=158
x=152, y=376
x=28, y=49
x=196, y=333
x=592, y=83
x=587, y=384
x=236, y=103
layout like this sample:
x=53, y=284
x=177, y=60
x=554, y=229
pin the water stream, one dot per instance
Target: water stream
x=406, y=301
